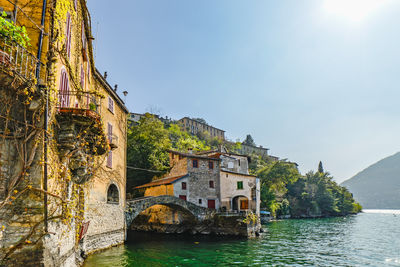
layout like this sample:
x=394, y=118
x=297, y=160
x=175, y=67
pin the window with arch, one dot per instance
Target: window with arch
x=63, y=92
x=112, y=194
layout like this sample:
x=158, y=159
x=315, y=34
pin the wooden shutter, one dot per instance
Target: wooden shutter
x=110, y=104
x=109, y=160
x=68, y=35
x=63, y=92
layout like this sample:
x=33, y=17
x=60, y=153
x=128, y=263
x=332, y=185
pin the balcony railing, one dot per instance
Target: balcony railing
x=80, y=104
x=14, y=57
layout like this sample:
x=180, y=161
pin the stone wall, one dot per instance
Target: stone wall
x=199, y=182
x=230, y=190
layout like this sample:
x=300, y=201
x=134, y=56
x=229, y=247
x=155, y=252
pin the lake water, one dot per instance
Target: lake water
x=371, y=238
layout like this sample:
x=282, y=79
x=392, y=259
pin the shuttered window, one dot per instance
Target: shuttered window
x=110, y=104
x=109, y=160
x=68, y=35
x=63, y=92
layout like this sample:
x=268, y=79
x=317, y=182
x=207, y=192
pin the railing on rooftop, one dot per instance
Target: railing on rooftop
x=14, y=57
x=79, y=103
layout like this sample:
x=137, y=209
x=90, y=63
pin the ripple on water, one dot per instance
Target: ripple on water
x=367, y=239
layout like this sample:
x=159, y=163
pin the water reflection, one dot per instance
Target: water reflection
x=362, y=240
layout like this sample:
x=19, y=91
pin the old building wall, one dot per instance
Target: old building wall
x=178, y=165
x=229, y=188
x=199, y=182
x=179, y=190
x=69, y=204
x=160, y=190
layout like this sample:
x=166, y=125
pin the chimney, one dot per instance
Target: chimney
x=105, y=75
x=115, y=87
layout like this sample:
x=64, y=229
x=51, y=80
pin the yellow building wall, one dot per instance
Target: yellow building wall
x=159, y=190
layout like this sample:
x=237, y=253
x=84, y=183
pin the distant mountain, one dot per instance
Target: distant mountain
x=378, y=186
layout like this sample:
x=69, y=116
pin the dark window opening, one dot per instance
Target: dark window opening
x=200, y=200
x=112, y=194
x=195, y=163
x=211, y=165
x=182, y=197
x=183, y=185
x=211, y=183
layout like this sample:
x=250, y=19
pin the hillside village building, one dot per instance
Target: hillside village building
x=239, y=190
x=63, y=144
x=193, y=126
x=210, y=179
x=194, y=178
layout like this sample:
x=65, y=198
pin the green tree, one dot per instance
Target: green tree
x=182, y=141
x=147, y=148
x=249, y=141
x=320, y=167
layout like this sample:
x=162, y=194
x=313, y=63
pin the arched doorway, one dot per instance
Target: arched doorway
x=112, y=194
x=240, y=203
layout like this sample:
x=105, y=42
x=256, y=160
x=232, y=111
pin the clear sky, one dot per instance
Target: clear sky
x=310, y=79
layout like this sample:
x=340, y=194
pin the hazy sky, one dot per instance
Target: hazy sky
x=310, y=79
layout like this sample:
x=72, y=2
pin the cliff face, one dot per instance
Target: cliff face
x=378, y=186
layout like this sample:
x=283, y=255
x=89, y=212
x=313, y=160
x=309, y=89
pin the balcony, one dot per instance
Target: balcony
x=78, y=118
x=113, y=141
x=18, y=66
x=80, y=105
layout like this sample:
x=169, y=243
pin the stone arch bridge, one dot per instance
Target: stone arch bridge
x=137, y=205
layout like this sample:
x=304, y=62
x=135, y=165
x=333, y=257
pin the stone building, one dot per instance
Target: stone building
x=213, y=179
x=240, y=191
x=193, y=126
x=62, y=140
x=194, y=178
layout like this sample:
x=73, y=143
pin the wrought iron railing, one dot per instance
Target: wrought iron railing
x=79, y=103
x=18, y=59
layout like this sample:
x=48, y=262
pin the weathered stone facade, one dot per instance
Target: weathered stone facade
x=192, y=177
x=63, y=196
x=194, y=127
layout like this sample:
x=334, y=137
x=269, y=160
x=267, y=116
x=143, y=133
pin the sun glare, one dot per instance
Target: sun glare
x=353, y=10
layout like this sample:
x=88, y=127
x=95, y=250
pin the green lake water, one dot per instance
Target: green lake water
x=367, y=239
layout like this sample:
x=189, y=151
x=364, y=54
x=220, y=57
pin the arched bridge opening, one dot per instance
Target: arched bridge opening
x=136, y=206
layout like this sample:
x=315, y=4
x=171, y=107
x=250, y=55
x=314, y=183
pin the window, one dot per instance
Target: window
x=183, y=185
x=200, y=201
x=63, y=92
x=226, y=175
x=110, y=104
x=195, y=163
x=240, y=185
x=182, y=197
x=211, y=165
x=211, y=183
x=68, y=35
x=239, y=161
x=112, y=194
x=109, y=160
